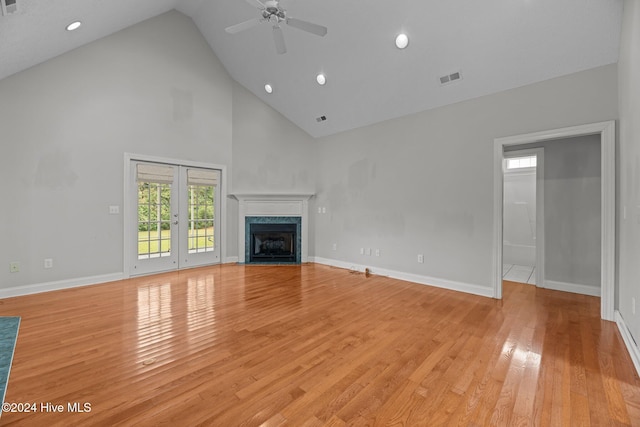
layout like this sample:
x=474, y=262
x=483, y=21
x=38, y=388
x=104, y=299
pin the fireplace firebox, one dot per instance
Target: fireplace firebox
x=274, y=240
x=273, y=243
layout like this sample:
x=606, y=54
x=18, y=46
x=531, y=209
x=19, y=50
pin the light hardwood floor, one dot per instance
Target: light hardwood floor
x=313, y=345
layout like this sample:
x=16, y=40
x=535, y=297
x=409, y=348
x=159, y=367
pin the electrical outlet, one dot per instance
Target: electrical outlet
x=377, y=252
x=114, y=210
x=48, y=263
x=319, y=209
x=421, y=258
x=14, y=267
x=369, y=251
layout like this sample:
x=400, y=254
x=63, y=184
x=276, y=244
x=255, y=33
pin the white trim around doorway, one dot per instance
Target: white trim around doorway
x=607, y=132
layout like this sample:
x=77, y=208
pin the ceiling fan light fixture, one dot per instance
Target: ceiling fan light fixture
x=74, y=26
x=321, y=79
x=402, y=41
x=268, y=88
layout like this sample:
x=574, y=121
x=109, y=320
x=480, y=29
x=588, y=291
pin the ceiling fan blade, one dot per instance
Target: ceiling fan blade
x=242, y=26
x=257, y=4
x=278, y=38
x=309, y=27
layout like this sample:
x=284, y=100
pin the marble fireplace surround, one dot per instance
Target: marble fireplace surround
x=273, y=205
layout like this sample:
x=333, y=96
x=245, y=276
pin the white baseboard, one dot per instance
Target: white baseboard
x=72, y=283
x=58, y=285
x=409, y=277
x=632, y=348
x=574, y=288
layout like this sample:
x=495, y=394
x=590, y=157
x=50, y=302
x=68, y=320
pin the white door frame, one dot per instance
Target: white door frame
x=539, y=153
x=607, y=132
x=129, y=220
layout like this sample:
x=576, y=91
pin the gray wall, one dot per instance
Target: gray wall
x=572, y=211
x=270, y=155
x=629, y=168
x=424, y=183
x=154, y=88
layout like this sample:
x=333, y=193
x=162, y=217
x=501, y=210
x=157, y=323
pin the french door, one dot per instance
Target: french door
x=176, y=223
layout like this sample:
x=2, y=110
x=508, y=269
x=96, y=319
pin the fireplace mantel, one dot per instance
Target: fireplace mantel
x=284, y=204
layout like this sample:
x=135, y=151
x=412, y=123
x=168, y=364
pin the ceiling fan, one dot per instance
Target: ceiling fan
x=276, y=15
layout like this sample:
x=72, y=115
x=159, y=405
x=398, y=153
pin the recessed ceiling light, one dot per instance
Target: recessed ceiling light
x=321, y=79
x=268, y=88
x=74, y=26
x=402, y=41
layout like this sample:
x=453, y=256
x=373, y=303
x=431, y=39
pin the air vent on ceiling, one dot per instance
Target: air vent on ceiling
x=450, y=78
x=9, y=6
x=321, y=119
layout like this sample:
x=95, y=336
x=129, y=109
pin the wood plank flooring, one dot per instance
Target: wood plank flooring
x=315, y=346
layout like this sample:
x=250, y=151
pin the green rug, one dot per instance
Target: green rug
x=8, y=335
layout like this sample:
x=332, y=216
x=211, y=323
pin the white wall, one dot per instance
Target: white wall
x=519, y=218
x=155, y=88
x=629, y=168
x=424, y=183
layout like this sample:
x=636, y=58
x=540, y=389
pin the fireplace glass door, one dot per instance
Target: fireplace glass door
x=273, y=243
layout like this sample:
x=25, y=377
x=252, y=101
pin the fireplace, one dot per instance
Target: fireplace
x=273, y=209
x=272, y=240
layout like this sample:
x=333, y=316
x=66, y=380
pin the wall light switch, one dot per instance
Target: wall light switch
x=319, y=209
x=324, y=210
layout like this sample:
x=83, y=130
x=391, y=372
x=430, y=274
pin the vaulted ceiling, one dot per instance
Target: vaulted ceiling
x=494, y=44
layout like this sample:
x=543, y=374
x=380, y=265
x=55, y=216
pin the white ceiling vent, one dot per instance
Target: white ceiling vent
x=9, y=7
x=450, y=78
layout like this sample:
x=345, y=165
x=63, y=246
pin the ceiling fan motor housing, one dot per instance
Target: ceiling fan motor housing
x=273, y=10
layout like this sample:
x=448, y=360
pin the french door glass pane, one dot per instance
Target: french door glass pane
x=201, y=218
x=154, y=220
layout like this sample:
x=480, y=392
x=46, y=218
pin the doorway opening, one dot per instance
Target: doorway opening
x=605, y=131
x=523, y=216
